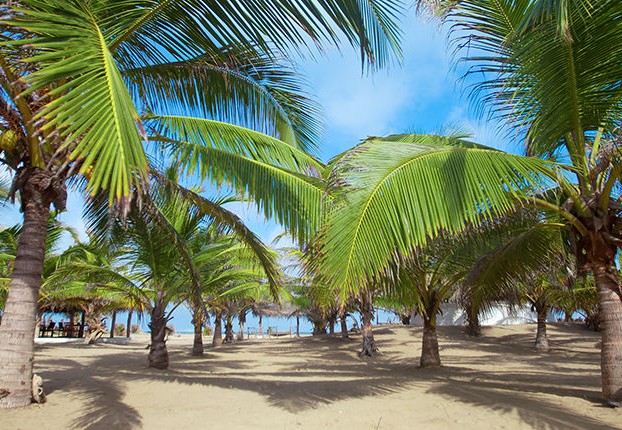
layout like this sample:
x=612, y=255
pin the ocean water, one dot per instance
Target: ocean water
x=182, y=321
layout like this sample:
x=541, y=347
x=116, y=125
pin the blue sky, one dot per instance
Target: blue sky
x=424, y=94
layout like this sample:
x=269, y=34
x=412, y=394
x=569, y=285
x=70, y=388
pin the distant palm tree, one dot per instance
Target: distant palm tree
x=229, y=273
x=426, y=278
x=95, y=278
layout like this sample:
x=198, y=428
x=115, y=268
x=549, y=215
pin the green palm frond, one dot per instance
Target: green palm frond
x=88, y=281
x=551, y=69
x=187, y=28
x=235, y=85
x=9, y=237
x=273, y=174
x=227, y=221
x=218, y=135
x=527, y=252
x=392, y=204
x=90, y=107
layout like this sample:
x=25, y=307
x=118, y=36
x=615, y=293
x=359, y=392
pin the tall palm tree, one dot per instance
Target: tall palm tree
x=76, y=74
x=552, y=70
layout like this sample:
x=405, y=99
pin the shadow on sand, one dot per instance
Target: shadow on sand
x=315, y=371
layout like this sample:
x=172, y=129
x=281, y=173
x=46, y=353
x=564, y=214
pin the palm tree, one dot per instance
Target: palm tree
x=552, y=70
x=94, y=277
x=75, y=76
x=9, y=239
x=427, y=277
x=527, y=261
x=386, y=195
x=229, y=273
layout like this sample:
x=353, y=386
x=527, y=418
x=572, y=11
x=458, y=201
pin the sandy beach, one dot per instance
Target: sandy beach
x=493, y=382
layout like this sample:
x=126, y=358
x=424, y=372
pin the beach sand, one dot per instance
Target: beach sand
x=496, y=381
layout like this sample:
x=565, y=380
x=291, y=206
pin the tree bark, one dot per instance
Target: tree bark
x=19, y=320
x=158, y=353
x=474, y=327
x=113, y=323
x=228, y=329
x=369, y=344
x=242, y=321
x=96, y=326
x=319, y=327
x=260, y=325
x=331, y=322
x=430, y=356
x=129, y=323
x=610, y=312
x=197, y=344
x=82, y=324
x=38, y=324
x=297, y=325
x=217, y=339
x=344, y=326
x=542, y=340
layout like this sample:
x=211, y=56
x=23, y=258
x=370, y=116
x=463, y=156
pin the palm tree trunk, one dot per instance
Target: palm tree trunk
x=405, y=319
x=297, y=325
x=344, y=326
x=197, y=344
x=319, y=327
x=158, y=353
x=369, y=344
x=113, y=323
x=228, y=330
x=242, y=321
x=217, y=339
x=96, y=326
x=38, y=323
x=474, y=327
x=82, y=324
x=542, y=340
x=610, y=310
x=128, y=328
x=430, y=356
x=260, y=325
x=19, y=320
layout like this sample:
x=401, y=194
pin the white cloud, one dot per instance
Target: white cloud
x=414, y=96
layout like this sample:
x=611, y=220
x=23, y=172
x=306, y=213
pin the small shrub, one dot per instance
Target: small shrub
x=119, y=330
x=207, y=331
x=135, y=328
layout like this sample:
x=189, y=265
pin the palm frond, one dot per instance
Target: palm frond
x=529, y=251
x=550, y=69
x=273, y=174
x=189, y=27
x=227, y=221
x=394, y=203
x=90, y=107
x=236, y=85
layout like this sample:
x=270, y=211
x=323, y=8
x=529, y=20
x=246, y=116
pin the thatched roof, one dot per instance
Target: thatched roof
x=273, y=310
